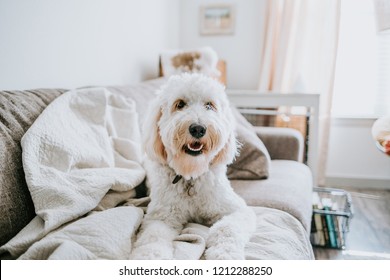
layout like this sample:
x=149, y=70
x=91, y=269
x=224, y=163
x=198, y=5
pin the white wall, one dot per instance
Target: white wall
x=353, y=158
x=72, y=43
x=241, y=50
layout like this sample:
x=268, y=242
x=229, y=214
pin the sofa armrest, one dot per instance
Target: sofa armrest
x=282, y=143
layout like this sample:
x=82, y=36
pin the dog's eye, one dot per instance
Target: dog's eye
x=210, y=106
x=180, y=104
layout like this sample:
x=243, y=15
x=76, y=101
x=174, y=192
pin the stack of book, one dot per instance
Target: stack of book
x=329, y=221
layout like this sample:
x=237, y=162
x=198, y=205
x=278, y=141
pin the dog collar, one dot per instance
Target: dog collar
x=177, y=179
x=189, y=185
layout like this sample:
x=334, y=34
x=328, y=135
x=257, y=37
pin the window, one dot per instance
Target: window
x=362, y=75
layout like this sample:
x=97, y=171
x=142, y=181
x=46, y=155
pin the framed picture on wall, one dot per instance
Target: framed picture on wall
x=217, y=19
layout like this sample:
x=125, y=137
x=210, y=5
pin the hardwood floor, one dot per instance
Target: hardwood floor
x=369, y=235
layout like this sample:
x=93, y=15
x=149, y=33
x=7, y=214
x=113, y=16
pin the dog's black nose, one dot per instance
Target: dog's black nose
x=197, y=130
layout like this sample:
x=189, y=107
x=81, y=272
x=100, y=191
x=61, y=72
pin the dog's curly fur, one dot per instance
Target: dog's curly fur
x=186, y=171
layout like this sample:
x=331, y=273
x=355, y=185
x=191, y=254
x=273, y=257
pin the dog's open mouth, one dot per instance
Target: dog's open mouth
x=194, y=148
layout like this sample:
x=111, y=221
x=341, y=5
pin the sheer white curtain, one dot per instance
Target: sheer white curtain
x=298, y=55
x=383, y=14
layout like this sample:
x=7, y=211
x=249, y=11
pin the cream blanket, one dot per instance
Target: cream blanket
x=82, y=158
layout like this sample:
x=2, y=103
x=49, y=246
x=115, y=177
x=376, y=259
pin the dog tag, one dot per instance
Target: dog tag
x=191, y=191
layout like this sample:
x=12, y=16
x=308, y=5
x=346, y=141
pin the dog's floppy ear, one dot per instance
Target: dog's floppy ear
x=228, y=152
x=231, y=148
x=153, y=145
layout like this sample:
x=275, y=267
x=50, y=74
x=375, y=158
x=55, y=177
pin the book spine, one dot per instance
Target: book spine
x=325, y=230
x=341, y=225
x=331, y=229
x=313, y=231
x=320, y=231
x=319, y=235
x=336, y=230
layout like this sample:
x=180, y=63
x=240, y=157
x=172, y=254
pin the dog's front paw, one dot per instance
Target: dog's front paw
x=152, y=251
x=226, y=252
x=224, y=243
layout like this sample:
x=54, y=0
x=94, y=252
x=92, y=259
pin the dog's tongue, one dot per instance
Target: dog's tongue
x=195, y=146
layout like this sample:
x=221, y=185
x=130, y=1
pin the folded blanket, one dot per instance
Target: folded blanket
x=85, y=143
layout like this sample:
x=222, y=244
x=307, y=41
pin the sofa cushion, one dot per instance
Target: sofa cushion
x=282, y=142
x=288, y=188
x=253, y=162
x=18, y=110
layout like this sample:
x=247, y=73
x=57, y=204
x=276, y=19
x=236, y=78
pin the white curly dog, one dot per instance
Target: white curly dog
x=189, y=140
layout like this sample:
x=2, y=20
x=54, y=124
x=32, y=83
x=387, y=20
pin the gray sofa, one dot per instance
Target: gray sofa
x=282, y=201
